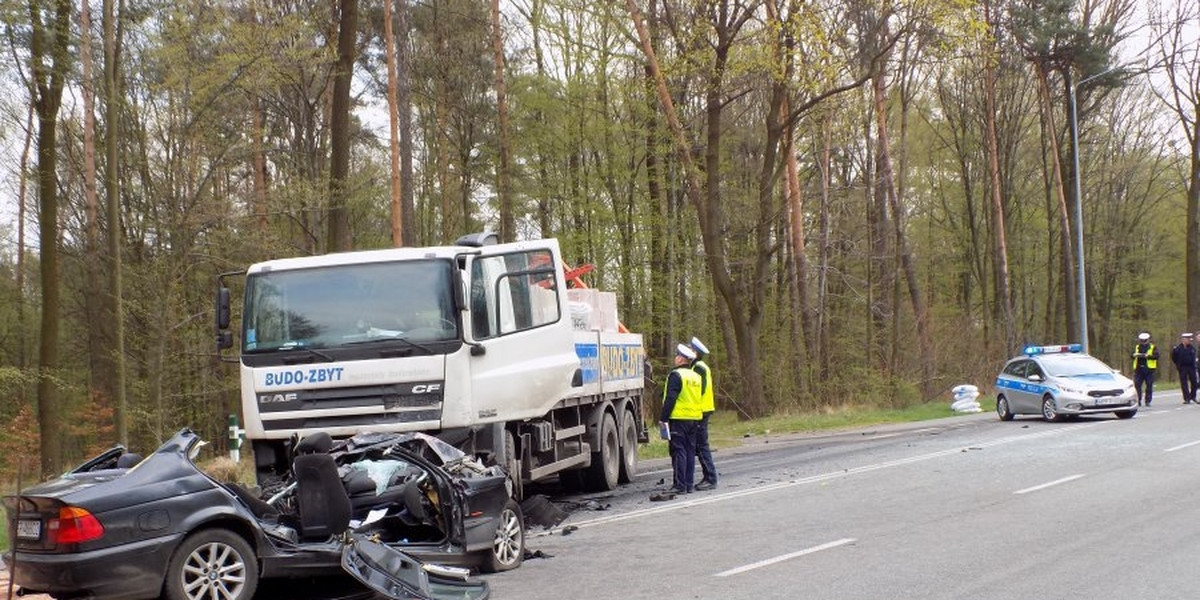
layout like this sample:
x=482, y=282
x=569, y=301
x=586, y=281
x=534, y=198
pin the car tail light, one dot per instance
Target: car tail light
x=73, y=525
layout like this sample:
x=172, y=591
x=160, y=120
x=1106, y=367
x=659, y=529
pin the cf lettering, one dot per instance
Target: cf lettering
x=426, y=388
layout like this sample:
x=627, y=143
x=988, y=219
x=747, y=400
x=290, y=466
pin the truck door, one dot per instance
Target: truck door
x=525, y=355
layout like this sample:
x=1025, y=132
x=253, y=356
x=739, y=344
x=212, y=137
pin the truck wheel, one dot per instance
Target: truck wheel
x=629, y=448
x=606, y=463
x=212, y=563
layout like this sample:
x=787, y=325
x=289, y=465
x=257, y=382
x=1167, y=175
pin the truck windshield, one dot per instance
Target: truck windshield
x=344, y=305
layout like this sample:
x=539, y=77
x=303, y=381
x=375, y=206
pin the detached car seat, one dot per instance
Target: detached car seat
x=321, y=501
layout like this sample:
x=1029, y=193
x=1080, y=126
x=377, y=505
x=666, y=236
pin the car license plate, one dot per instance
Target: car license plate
x=29, y=530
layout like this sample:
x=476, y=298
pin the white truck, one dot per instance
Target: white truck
x=477, y=343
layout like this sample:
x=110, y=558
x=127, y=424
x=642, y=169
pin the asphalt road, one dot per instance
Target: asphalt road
x=967, y=507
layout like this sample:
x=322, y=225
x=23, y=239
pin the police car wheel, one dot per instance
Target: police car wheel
x=1002, y=409
x=1049, y=412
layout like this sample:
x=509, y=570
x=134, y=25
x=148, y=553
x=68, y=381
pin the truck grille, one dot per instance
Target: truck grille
x=387, y=404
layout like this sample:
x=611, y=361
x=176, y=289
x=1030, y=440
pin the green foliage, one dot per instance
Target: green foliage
x=211, y=92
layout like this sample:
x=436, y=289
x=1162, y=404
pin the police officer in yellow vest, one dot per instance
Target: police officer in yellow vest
x=1145, y=363
x=708, y=404
x=681, y=413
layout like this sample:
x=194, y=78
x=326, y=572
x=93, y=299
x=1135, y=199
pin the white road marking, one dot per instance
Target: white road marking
x=771, y=561
x=1182, y=446
x=690, y=500
x=1049, y=484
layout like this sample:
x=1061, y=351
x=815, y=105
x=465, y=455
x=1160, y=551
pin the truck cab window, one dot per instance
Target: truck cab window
x=512, y=293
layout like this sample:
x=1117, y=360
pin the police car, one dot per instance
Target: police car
x=1062, y=381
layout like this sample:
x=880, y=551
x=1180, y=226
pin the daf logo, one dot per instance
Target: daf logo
x=276, y=398
x=426, y=388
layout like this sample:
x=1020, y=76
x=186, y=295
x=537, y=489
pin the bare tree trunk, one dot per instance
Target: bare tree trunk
x=1175, y=37
x=1193, y=222
x=1068, y=253
x=260, y=169
x=706, y=201
x=389, y=42
x=1000, y=254
x=503, y=186
x=404, y=113
x=659, y=204
x=99, y=349
x=338, y=238
x=23, y=186
x=543, y=200
x=880, y=271
x=800, y=255
x=449, y=222
x=1193, y=244
x=824, y=336
x=784, y=53
x=910, y=274
x=90, y=202
x=50, y=41
x=449, y=219
x=112, y=116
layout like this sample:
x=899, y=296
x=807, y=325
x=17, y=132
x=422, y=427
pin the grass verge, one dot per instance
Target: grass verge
x=725, y=431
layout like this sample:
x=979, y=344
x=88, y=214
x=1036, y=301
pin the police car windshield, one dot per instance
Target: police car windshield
x=1073, y=365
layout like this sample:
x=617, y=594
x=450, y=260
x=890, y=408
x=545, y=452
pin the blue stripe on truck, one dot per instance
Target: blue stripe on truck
x=589, y=361
x=610, y=362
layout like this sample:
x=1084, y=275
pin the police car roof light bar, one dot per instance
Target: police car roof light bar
x=1032, y=350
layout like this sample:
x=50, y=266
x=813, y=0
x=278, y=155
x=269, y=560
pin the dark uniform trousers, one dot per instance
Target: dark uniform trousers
x=1187, y=384
x=683, y=453
x=704, y=452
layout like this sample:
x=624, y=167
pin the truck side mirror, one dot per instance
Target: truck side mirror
x=460, y=294
x=222, y=309
x=224, y=340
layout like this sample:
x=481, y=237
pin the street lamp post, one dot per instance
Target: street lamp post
x=1083, y=328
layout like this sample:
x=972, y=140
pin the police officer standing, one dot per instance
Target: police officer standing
x=707, y=406
x=1184, y=357
x=1145, y=363
x=681, y=414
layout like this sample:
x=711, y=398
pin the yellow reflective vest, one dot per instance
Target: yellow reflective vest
x=1151, y=358
x=687, y=404
x=708, y=402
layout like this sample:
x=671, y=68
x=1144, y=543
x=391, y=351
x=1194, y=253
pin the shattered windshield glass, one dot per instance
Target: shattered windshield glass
x=343, y=305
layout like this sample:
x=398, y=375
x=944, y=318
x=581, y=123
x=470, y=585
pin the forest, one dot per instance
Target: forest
x=853, y=202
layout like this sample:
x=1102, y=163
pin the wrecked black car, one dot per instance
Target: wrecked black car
x=405, y=514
